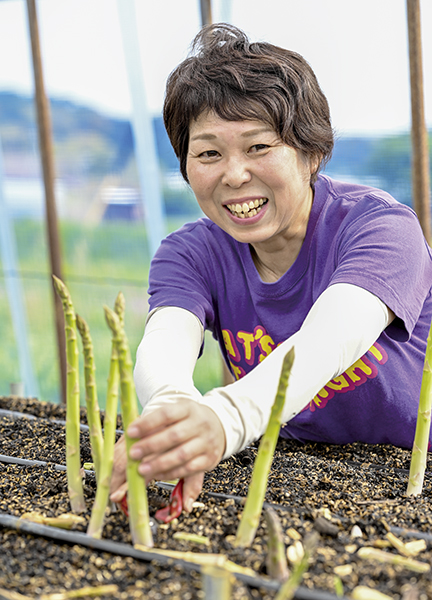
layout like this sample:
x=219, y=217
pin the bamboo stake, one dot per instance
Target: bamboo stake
x=419, y=136
x=137, y=493
x=257, y=488
x=93, y=412
x=46, y=151
x=421, y=438
x=73, y=461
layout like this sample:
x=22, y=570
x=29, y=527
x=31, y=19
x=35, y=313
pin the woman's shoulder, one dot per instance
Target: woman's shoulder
x=347, y=204
x=352, y=193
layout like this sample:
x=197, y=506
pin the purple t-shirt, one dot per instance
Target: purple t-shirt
x=356, y=235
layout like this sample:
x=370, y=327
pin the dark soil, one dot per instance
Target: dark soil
x=357, y=484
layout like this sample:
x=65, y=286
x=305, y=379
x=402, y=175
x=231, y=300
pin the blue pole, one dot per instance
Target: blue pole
x=15, y=293
x=145, y=145
x=225, y=11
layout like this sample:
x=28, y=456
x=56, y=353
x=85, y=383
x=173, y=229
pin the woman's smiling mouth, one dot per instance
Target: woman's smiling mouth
x=246, y=210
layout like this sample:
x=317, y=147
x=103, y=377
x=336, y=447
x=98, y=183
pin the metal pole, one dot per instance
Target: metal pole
x=419, y=137
x=145, y=144
x=206, y=12
x=206, y=19
x=15, y=293
x=46, y=151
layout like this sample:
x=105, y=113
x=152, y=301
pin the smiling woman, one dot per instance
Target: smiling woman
x=286, y=257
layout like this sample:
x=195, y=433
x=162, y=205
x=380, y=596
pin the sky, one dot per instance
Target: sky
x=358, y=50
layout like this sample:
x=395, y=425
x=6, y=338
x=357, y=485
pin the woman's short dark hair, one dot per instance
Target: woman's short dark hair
x=239, y=80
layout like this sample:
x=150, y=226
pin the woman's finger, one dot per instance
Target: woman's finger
x=119, y=465
x=158, y=419
x=197, y=422
x=192, y=487
x=119, y=493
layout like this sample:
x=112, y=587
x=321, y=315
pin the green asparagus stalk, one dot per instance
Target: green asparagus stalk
x=257, y=488
x=63, y=521
x=85, y=592
x=194, y=538
x=393, y=559
x=277, y=567
x=119, y=308
x=217, y=582
x=421, y=438
x=110, y=422
x=362, y=592
x=76, y=494
x=137, y=493
x=288, y=589
x=93, y=412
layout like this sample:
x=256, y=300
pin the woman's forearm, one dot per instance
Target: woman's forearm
x=341, y=326
x=166, y=357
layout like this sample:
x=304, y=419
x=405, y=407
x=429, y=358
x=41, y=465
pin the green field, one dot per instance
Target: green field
x=98, y=262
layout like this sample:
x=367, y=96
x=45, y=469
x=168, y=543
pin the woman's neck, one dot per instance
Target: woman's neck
x=274, y=258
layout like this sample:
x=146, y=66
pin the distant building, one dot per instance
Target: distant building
x=121, y=203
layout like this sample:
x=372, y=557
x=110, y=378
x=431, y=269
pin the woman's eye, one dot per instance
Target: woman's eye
x=259, y=147
x=209, y=154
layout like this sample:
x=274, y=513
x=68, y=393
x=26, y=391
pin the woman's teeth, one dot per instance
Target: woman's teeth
x=247, y=209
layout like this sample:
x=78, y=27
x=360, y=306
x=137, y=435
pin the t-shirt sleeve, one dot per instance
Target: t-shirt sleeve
x=179, y=274
x=384, y=251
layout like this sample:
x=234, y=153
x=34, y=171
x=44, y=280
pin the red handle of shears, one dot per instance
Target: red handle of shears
x=169, y=512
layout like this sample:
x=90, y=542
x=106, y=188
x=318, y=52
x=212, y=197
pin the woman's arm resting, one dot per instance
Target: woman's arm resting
x=341, y=326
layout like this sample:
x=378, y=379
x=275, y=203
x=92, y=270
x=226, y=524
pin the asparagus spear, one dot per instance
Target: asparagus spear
x=93, y=412
x=288, y=589
x=421, y=438
x=137, y=492
x=119, y=308
x=217, y=582
x=277, y=567
x=76, y=494
x=362, y=592
x=393, y=559
x=102, y=493
x=257, y=488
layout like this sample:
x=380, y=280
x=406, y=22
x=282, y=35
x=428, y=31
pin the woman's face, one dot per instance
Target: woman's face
x=249, y=182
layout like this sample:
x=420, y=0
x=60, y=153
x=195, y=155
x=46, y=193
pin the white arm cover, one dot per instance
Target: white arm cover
x=341, y=326
x=166, y=357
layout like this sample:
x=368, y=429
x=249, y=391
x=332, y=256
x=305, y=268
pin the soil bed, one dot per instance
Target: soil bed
x=357, y=484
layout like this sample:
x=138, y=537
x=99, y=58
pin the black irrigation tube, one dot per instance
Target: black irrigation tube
x=19, y=415
x=216, y=495
x=25, y=462
x=350, y=463
x=120, y=549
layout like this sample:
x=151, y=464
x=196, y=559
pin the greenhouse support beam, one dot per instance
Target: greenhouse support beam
x=15, y=293
x=142, y=126
x=419, y=135
x=206, y=12
x=46, y=152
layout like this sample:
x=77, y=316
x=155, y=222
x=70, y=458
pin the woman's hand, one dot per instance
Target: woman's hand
x=177, y=440
x=174, y=441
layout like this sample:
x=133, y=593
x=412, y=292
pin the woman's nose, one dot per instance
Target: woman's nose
x=236, y=172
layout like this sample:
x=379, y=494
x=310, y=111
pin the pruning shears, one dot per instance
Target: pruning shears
x=167, y=513
x=174, y=507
